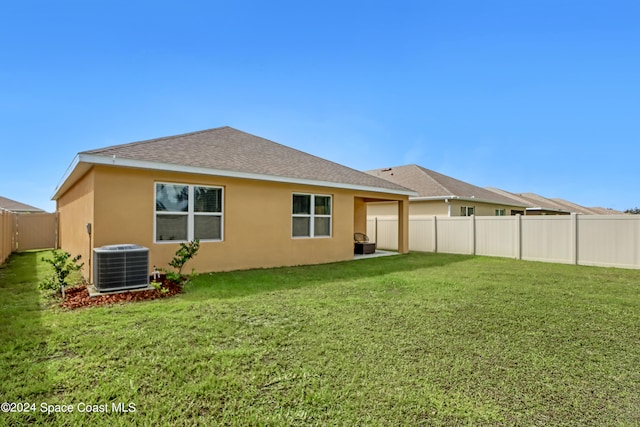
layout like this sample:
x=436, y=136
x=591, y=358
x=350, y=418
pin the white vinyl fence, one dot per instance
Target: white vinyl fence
x=608, y=241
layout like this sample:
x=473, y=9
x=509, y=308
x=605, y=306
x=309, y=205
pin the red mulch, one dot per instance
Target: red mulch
x=78, y=296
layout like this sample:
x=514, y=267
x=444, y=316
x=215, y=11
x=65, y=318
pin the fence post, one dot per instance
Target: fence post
x=375, y=229
x=574, y=238
x=473, y=234
x=435, y=234
x=518, y=236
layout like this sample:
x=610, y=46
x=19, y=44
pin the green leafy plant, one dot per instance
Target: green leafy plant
x=63, y=266
x=174, y=277
x=158, y=286
x=186, y=252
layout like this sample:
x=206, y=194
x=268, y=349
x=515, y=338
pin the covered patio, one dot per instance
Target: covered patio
x=360, y=223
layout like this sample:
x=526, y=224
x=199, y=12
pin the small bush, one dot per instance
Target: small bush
x=158, y=287
x=183, y=254
x=63, y=266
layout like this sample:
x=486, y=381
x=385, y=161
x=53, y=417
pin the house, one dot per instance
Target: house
x=540, y=205
x=574, y=207
x=251, y=202
x=535, y=204
x=17, y=207
x=441, y=195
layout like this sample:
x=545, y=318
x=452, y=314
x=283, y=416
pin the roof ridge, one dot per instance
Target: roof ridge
x=428, y=172
x=231, y=151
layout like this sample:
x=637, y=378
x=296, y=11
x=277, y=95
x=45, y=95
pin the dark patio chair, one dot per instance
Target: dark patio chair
x=361, y=245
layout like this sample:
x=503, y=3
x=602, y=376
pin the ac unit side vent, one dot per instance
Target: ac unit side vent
x=120, y=267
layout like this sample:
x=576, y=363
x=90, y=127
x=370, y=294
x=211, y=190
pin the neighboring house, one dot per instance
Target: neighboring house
x=442, y=195
x=587, y=211
x=535, y=204
x=17, y=207
x=251, y=202
x=606, y=211
x=540, y=205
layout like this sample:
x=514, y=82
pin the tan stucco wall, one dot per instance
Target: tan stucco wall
x=75, y=211
x=360, y=216
x=435, y=208
x=257, y=220
x=386, y=209
x=481, y=209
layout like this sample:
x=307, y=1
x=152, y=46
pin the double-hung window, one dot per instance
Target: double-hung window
x=467, y=210
x=311, y=215
x=188, y=212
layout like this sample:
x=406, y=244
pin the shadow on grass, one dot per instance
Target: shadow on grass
x=251, y=282
x=23, y=334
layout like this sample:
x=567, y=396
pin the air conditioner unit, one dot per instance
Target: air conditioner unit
x=120, y=267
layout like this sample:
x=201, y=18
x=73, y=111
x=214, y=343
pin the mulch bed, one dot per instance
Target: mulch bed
x=78, y=296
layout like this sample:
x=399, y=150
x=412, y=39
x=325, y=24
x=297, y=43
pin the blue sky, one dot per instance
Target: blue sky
x=529, y=96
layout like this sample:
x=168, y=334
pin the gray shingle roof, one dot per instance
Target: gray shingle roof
x=532, y=200
x=229, y=149
x=574, y=207
x=428, y=183
x=598, y=210
x=12, y=205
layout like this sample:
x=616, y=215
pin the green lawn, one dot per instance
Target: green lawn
x=420, y=339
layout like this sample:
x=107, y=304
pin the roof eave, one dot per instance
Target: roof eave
x=539, y=208
x=83, y=162
x=464, y=199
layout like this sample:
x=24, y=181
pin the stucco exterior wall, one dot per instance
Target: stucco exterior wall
x=427, y=208
x=481, y=209
x=360, y=216
x=257, y=220
x=76, y=210
x=418, y=208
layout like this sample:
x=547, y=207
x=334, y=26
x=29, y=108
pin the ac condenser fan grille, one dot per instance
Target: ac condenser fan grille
x=120, y=267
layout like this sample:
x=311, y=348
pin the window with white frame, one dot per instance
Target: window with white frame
x=501, y=212
x=311, y=215
x=467, y=210
x=187, y=212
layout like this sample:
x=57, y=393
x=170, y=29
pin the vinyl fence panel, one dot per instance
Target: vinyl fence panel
x=7, y=234
x=422, y=235
x=387, y=234
x=609, y=241
x=548, y=238
x=455, y=235
x=496, y=236
x=605, y=240
x=36, y=231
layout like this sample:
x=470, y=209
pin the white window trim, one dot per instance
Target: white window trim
x=312, y=215
x=190, y=213
x=466, y=209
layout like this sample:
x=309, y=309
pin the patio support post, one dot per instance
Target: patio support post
x=403, y=226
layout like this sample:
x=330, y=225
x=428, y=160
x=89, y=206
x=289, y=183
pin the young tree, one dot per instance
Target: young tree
x=63, y=265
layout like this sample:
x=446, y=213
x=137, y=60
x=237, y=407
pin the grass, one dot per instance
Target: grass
x=421, y=339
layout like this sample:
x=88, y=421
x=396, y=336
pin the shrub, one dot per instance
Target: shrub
x=183, y=255
x=63, y=266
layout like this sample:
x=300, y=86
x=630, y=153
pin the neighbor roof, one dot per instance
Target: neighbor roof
x=12, y=205
x=533, y=202
x=226, y=151
x=538, y=202
x=598, y=210
x=586, y=210
x=433, y=185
